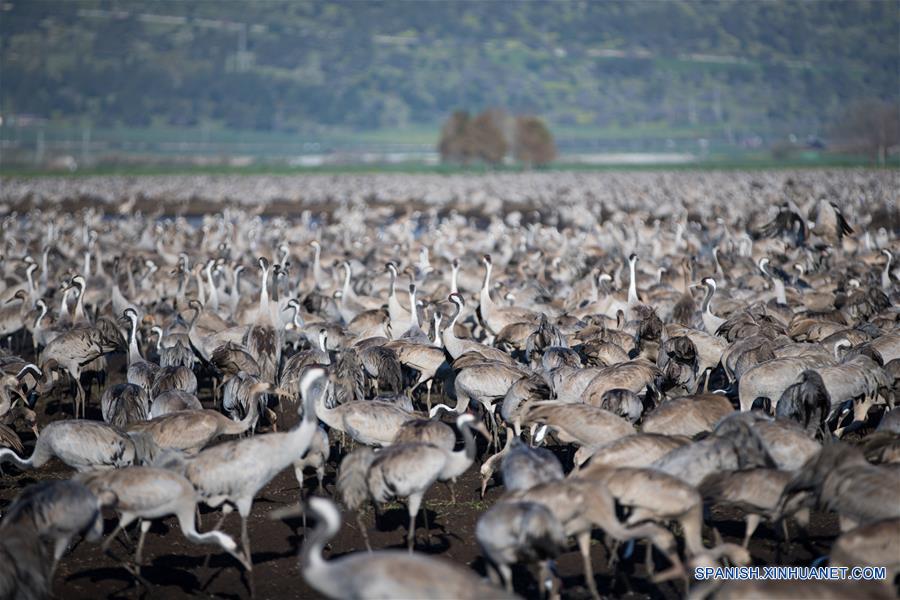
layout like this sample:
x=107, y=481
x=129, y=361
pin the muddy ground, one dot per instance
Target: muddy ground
x=174, y=568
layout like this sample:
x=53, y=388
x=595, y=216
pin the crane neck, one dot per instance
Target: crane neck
x=886, y=274
x=780, y=296
x=346, y=289
x=392, y=292
x=707, y=299
x=485, y=296
x=79, y=306
x=469, y=447
x=64, y=316
x=437, y=330
x=632, y=284
x=413, y=310
x=263, y=312
x=201, y=289
x=311, y=558
x=42, y=307
x=213, y=292
x=134, y=354
x=454, y=280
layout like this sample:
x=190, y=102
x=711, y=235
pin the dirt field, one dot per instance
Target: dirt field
x=175, y=568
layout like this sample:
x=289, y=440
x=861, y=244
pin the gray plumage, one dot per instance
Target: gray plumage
x=84, y=445
x=399, y=471
x=734, y=446
x=150, y=493
x=522, y=531
x=808, y=403
x=384, y=573
x=123, y=404
x=71, y=350
x=174, y=378
x=172, y=401
x=623, y=403
x=57, y=511
x=24, y=565
x=382, y=364
x=237, y=470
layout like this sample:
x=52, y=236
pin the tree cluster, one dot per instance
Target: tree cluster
x=491, y=135
x=871, y=127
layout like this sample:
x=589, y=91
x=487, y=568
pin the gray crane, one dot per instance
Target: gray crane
x=24, y=565
x=511, y=532
x=58, y=512
x=384, y=573
x=140, y=372
x=521, y=465
x=235, y=471
x=71, y=350
x=405, y=470
x=149, y=493
x=173, y=401
x=263, y=340
x=191, y=430
x=123, y=404
x=85, y=445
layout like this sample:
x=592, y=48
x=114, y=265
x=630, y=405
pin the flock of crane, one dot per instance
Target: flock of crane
x=618, y=353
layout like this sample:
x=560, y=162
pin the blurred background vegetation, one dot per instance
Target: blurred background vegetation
x=305, y=83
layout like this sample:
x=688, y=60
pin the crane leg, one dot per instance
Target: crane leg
x=79, y=399
x=752, y=523
x=145, y=526
x=548, y=582
x=415, y=500
x=245, y=538
x=452, y=487
x=105, y=545
x=411, y=533
x=506, y=576
x=428, y=395
x=584, y=546
x=59, y=548
x=245, y=542
x=363, y=529
x=226, y=510
x=427, y=526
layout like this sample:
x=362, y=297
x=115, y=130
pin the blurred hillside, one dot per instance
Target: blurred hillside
x=738, y=73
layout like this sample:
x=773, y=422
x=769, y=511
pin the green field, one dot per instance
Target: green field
x=747, y=162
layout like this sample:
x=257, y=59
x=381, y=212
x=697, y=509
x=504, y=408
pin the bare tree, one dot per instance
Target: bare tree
x=871, y=126
x=454, y=145
x=534, y=142
x=485, y=134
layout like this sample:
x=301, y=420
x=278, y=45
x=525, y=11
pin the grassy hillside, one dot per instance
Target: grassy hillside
x=205, y=70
